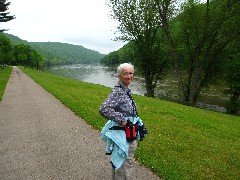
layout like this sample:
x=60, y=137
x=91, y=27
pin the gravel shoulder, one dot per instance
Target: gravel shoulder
x=42, y=139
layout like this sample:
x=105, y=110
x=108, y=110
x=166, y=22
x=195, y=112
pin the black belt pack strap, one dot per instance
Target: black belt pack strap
x=117, y=128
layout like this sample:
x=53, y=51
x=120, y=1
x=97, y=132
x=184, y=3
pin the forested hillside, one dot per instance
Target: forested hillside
x=68, y=53
x=16, y=40
x=56, y=53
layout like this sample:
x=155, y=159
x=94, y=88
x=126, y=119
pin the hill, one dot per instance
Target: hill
x=57, y=53
x=68, y=53
x=16, y=40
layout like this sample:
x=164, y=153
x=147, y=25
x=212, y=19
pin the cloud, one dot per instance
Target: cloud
x=80, y=22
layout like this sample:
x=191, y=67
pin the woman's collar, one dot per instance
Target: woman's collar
x=122, y=85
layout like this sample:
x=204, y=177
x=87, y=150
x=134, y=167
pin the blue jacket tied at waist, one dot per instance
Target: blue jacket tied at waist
x=117, y=139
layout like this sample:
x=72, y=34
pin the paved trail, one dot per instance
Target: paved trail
x=41, y=139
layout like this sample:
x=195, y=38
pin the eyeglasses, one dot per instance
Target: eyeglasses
x=127, y=74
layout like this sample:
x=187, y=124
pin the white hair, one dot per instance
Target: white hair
x=122, y=66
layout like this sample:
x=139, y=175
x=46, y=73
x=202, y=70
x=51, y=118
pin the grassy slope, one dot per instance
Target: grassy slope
x=4, y=76
x=183, y=142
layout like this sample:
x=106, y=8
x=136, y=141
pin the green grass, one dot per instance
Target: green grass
x=183, y=142
x=4, y=76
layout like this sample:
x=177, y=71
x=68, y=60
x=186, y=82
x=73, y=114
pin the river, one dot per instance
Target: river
x=212, y=99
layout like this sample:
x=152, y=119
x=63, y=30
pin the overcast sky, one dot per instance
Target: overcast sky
x=79, y=22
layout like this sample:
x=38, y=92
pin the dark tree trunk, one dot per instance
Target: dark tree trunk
x=163, y=9
x=194, y=86
x=149, y=82
x=149, y=88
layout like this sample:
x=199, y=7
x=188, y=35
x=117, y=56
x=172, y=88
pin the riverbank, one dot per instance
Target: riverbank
x=213, y=98
x=183, y=142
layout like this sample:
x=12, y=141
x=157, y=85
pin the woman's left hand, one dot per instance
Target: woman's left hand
x=123, y=123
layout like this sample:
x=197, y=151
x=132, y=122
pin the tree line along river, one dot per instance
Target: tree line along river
x=212, y=99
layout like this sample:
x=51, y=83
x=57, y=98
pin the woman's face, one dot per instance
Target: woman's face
x=127, y=75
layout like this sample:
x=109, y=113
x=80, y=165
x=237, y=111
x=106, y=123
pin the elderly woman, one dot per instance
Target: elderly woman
x=120, y=108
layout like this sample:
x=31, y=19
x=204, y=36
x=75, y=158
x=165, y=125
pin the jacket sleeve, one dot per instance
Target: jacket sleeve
x=110, y=107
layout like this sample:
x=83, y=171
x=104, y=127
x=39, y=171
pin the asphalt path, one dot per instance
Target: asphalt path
x=42, y=139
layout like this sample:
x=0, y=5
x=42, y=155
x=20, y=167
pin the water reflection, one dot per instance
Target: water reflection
x=166, y=89
x=96, y=74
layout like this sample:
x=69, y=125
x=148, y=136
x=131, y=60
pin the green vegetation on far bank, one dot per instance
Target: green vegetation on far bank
x=52, y=53
x=183, y=142
x=4, y=76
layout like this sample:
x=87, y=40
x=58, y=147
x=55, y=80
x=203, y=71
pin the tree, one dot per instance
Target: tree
x=6, y=48
x=4, y=16
x=37, y=60
x=124, y=54
x=166, y=9
x=205, y=30
x=232, y=67
x=25, y=55
x=138, y=23
x=111, y=59
x=233, y=82
x=231, y=71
